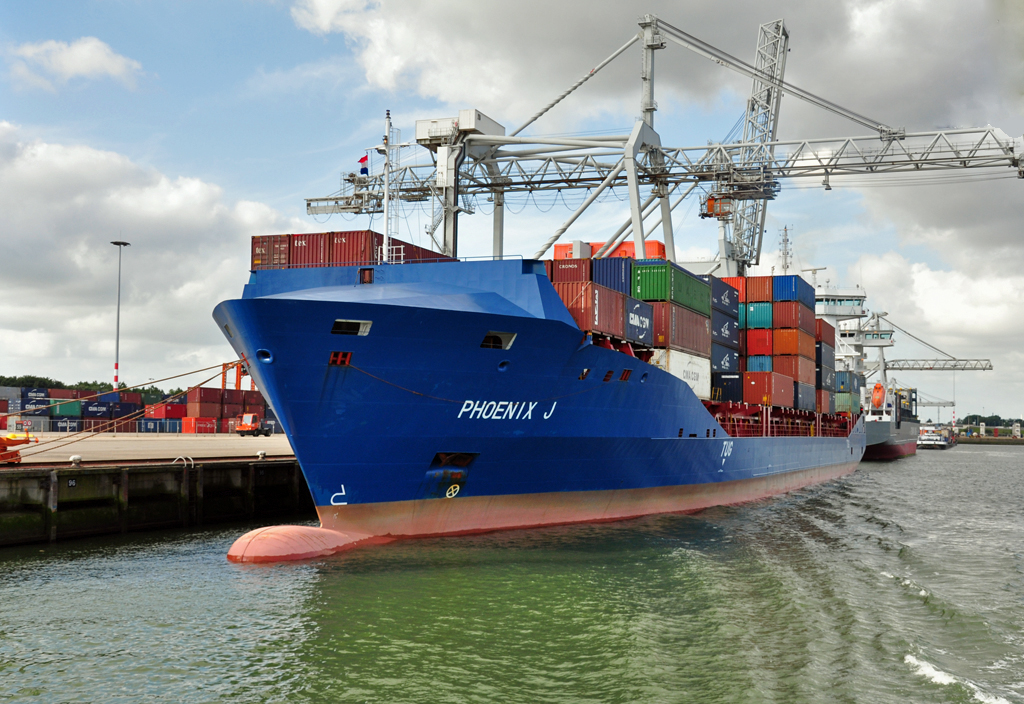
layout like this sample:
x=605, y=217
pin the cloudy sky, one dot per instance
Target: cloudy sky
x=185, y=128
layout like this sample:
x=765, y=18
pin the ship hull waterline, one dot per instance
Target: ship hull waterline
x=351, y=526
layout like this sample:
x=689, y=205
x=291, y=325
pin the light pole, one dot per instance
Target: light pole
x=117, y=335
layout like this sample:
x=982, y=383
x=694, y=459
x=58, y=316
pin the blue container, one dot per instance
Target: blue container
x=826, y=378
x=35, y=393
x=759, y=363
x=270, y=414
x=803, y=397
x=614, y=272
x=793, y=288
x=724, y=359
x=95, y=409
x=639, y=320
x=727, y=387
x=848, y=382
x=758, y=316
x=120, y=410
x=725, y=329
x=66, y=425
x=824, y=355
x=110, y=397
x=724, y=297
x=34, y=407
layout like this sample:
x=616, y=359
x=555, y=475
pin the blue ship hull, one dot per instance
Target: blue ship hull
x=422, y=431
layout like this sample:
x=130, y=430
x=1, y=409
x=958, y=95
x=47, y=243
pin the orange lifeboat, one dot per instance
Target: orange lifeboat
x=878, y=396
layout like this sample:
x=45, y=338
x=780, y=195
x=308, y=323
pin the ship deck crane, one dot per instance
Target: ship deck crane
x=472, y=155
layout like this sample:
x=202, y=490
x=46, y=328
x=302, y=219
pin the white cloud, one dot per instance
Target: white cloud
x=41, y=64
x=62, y=206
x=887, y=59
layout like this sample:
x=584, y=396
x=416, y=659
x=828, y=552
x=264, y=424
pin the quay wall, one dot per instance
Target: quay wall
x=46, y=504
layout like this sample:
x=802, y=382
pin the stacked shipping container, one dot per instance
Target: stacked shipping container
x=333, y=248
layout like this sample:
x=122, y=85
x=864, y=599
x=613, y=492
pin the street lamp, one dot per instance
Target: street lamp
x=117, y=335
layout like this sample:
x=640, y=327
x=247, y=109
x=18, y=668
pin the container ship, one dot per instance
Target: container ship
x=429, y=396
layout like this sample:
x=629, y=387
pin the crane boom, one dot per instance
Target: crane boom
x=468, y=161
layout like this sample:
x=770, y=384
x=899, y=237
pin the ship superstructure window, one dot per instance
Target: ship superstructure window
x=351, y=327
x=498, y=340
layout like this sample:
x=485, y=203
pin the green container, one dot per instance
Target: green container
x=847, y=403
x=66, y=409
x=757, y=316
x=667, y=282
x=743, y=316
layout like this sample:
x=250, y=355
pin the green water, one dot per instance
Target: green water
x=901, y=583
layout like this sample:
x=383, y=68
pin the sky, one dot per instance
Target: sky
x=187, y=127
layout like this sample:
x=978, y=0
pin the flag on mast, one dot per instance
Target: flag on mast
x=363, y=169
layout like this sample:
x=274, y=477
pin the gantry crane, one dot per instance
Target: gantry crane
x=471, y=155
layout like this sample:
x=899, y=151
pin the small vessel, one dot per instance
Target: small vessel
x=936, y=438
x=891, y=422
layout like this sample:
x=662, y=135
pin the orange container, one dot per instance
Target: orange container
x=759, y=289
x=740, y=284
x=792, y=342
x=799, y=368
x=204, y=410
x=198, y=425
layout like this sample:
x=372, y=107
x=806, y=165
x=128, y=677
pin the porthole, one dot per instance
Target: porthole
x=643, y=377
x=264, y=356
x=504, y=365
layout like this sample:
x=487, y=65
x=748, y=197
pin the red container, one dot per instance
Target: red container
x=131, y=397
x=203, y=410
x=252, y=398
x=759, y=342
x=354, y=247
x=768, y=388
x=259, y=410
x=227, y=425
x=125, y=426
x=793, y=314
x=572, y=270
x=594, y=308
x=743, y=365
x=759, y=289
x=549, y=267
x=166, y=411
x=233, y=396
x=204, y=394
x=681, y=329
x=825, y=403
x=798, y=368
x=61, y=393
x=198, y=425
x=3, y=423
x=743, y=343
x=231, y=410
x=270, y=252
x=308, y=250
x=825, y=332
x=4, y=403
x=740, y=284
x=795, y=342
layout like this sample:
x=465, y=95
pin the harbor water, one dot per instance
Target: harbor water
x=903, y=582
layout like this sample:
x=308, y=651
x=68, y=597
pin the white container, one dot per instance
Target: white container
x=694, y=370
